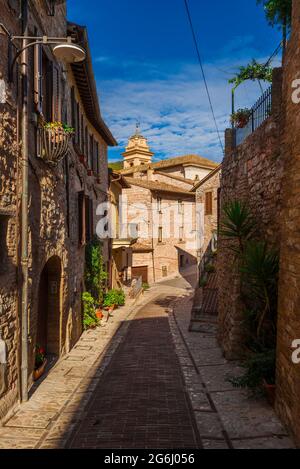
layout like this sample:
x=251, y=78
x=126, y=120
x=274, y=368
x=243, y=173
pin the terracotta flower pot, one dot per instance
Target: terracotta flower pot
x=40, y=371
x=270, y=390
x=99, y=314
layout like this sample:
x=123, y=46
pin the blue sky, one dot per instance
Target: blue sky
x=146, y=67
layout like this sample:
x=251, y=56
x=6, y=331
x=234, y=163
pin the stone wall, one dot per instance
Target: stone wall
x=251, y=172
x=288, y=373
x=55, y=251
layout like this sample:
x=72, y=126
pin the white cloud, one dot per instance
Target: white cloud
x=174, y=110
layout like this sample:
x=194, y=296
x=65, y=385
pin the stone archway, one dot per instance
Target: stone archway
x=49, y=307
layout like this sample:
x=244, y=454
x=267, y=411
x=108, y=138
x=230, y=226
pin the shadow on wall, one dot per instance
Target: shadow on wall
x=185, y=260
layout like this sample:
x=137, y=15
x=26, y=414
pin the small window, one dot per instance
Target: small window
x=159, y=204
x=180, y=207
x=91, y=152
x=160, y=234
x=208, y=203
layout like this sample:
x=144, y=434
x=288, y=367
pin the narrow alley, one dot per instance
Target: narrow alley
x=144, y=381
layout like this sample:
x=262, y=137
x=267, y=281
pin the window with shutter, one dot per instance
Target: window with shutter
x=82, y=145
x=86, y=138
x=91, y=149
x=38, y=78
x=56, y=94
x=47, y=87
x=208, y=203
x=160, y=234
x=97, y=156
x=78, y=136
x=67, y=184
x=81, y=219
x=89, y=218
x=73, y=112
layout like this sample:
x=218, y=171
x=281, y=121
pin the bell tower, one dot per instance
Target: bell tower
x=137, y=151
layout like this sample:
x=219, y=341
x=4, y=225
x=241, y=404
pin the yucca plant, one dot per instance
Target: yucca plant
x=259, y=269
x=237, y=224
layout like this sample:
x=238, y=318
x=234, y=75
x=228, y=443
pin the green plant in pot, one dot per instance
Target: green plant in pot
x=40, y=357
x=95, y=274
x=240, y=118
x=258, y=267
x=114, y=298
x=90, y=320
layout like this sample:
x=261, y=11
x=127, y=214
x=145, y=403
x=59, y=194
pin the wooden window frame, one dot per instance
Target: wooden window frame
x=208, y=203
x=160, y=235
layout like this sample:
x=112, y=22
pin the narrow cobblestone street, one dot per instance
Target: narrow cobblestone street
x=144, y=381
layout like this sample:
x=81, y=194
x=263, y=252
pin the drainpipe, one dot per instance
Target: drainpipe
x=24, y=208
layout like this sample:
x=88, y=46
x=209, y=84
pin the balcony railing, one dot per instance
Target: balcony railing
x=259, y=113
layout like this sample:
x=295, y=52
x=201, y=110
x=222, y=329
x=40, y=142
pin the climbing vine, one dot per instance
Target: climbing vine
x=253, y=71
x=95, y=273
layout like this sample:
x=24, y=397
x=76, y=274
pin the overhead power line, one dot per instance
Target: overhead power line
x=202, y=70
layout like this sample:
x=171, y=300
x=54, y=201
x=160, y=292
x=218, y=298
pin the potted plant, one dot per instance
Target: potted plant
x=240, y=118
x=40, y=362
x=113, y=299
x=54, y=140
x=99, y=314
x=90, y=320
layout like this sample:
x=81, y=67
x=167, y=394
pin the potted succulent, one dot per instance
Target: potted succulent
x=240, y=118
x=40, y=362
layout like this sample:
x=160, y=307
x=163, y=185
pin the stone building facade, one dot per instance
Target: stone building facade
x=62, y=198
x=121, y=247
x=161, y=201
x=207, y=197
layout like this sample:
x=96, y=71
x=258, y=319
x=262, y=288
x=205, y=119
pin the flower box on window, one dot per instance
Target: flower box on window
x=53, y=143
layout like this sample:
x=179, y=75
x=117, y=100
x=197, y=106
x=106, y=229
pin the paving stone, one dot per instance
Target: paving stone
x=209, y=425
x=210, y=357
x=31, y=419
x=214, y=444
x=264, y=443
x=216, y=378
x=245, y=417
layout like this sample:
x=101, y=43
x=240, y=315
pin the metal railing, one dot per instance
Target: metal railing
x=259, y=113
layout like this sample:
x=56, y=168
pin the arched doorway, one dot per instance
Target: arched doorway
x=49, y=307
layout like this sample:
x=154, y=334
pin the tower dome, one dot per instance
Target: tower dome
x=137, y=151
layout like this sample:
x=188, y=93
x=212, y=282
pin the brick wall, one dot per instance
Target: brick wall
x=288, y=374
x=251, y=172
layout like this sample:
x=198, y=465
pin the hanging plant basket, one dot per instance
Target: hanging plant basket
x=54, y=142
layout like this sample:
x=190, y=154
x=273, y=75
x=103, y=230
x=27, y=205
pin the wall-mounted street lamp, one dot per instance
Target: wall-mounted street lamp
x=64, y=50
